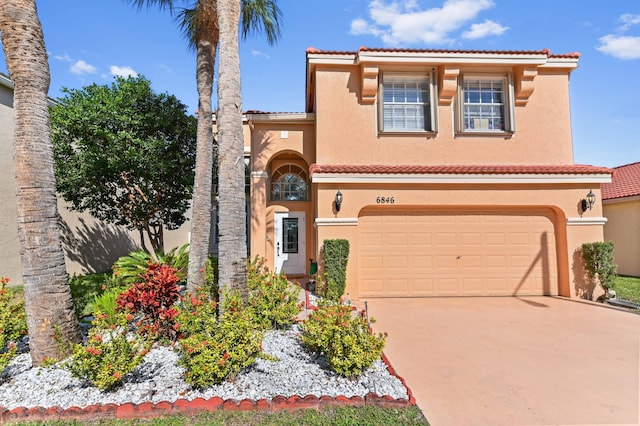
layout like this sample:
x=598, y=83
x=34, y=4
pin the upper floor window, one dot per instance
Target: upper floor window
x=485, y=104
x=407, y=104
x=289, y=183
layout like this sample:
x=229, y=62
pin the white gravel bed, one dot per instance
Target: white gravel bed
x=158, y=378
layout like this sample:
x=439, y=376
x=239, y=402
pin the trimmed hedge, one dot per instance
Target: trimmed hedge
x=335, y=255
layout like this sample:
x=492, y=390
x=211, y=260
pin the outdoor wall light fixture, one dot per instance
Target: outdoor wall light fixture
x=588, y=203
x=338, y=200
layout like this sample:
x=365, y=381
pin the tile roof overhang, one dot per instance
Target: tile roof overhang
x=573, y=173
x=625, y=183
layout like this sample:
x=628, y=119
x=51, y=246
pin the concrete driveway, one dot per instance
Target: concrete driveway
x=514, y=361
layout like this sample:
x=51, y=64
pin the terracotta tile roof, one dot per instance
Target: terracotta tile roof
x=460, y=169
x=546, y=52
x=625, y=182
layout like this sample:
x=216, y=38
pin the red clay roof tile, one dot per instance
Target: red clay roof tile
x=459, y=169
x=546, y=52
x=625, y=182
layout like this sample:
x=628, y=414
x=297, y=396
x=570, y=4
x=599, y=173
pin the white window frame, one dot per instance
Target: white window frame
x=278, y=178
x=430, y=102
x=507, y=104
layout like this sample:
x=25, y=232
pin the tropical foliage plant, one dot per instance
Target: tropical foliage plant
x=130, y=268
x=153, y=299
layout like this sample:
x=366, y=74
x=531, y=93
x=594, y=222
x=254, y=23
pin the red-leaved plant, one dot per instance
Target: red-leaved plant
x=153, y=299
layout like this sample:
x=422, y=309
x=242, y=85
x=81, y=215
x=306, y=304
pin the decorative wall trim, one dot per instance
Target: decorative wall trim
x=572, y=221
x=448, y=85
x=369, y=84
x=337, y=221
x=460, y=178
x=260, y=174
x=524, y=77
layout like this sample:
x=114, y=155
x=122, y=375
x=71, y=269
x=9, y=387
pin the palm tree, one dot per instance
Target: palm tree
x=199, y=23
x=232, y=262
x=50, y=313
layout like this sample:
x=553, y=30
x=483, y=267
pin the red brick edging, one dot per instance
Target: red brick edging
x=199, y=405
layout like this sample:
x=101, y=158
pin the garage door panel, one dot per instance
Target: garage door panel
x=471, y=238
x=397, y=239
x=448, y=254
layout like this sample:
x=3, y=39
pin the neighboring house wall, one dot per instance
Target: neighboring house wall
x=10, y=265
x=621, y=200
x=623, y=228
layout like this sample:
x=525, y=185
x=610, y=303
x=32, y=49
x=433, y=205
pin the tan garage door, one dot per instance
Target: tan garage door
x=453, y=253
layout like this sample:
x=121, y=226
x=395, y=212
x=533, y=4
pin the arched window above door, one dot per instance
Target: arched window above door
x=289, y=183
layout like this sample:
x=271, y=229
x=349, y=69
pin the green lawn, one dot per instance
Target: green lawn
x=343, y=416
x=627, y=288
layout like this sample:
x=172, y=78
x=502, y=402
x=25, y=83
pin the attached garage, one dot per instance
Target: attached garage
x=411, y=252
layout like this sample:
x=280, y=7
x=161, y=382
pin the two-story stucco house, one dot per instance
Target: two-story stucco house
x=449, y=172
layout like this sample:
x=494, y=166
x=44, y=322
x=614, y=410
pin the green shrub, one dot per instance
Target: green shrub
x=598, y=261
x=273, y=301
x=109, y=354
x=13, y=323
x=335, y=255
x=342, y=337
x=213, y=351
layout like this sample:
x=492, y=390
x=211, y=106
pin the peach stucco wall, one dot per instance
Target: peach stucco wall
x=623, y=228
x=348, y=128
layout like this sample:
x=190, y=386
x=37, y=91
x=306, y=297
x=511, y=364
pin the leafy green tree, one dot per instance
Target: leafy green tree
x=125, y=154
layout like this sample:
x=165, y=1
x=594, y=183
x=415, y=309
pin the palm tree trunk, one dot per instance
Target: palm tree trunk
x=206, y=44
x=232, y=225
x=49, y=307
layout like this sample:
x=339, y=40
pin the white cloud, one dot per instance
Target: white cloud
x=81, y=67
x=628, y=20
x=487, y=28
x=621, y=47
x=124, y=72
x=64, y=57
x=403, y=22
x=259, y=53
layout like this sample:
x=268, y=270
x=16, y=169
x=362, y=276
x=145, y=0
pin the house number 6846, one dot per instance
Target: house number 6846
x=385, y=200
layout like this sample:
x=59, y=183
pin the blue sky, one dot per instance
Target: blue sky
x=91, y=41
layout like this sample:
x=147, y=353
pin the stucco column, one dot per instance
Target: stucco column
x=257, y=216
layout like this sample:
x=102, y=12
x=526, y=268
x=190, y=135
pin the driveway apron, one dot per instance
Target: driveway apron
x=513, y=360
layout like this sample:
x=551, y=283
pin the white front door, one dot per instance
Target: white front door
x=290, y=243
